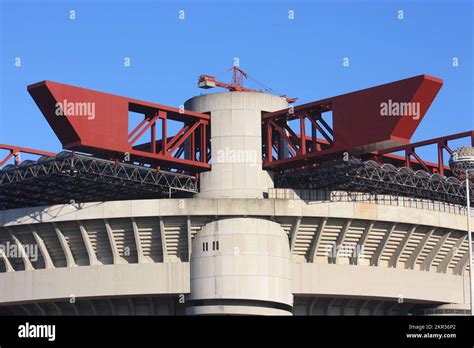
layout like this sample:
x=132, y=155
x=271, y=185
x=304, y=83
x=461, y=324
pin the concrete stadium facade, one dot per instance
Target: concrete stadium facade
x=238, y=247
x=83, y=254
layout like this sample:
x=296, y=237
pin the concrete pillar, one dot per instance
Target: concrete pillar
x=241, y=266
x=236, y=143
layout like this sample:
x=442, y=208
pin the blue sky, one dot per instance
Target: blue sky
x=301, y=57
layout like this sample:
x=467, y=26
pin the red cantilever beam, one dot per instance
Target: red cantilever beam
x=97, y=123
x=363, y=121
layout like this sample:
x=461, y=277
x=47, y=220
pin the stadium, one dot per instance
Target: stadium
x=238, y=203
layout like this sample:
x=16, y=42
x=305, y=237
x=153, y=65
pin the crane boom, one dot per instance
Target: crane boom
x=238, y=75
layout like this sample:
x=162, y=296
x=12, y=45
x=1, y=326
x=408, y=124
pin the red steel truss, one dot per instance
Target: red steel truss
x=358, y=126
x=411, y=159
x=105, y=133
x=16, y=151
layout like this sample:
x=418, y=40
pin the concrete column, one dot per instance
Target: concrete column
x=236, y=143
x=241, y=266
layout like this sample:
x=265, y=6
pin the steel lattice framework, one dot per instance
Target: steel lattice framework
x=69, y=177
x=358, y=126
x=146, y=161
x=106, y=134
x=355, y=175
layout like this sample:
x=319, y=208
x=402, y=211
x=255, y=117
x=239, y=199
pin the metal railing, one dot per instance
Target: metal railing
x=325, y=196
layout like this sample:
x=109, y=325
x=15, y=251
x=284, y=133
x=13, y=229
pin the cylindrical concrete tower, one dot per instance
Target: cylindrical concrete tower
x=236, y=137
x=239, y=265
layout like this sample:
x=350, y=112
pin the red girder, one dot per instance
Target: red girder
x=359, y=126
x=387, y=155
x=406, y=160
x=15, y=151
x=106, y=132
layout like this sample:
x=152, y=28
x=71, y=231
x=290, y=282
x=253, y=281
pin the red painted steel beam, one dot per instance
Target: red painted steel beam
x=359, y=123
x=439, y=140
x=302, y=136
x=442, y=143
x=106, y=133
x=15, y=151
x=176, y=137
x=185, y=136
x=150, y=122
x=406, y=160
x=283, y=134
x=400, y=161
x=315, y=124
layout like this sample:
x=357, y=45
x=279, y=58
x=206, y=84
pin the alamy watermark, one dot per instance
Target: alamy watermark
x=407, y=109
x=228, y=155
x=13, y=250
x=28, y=330
x=84, y=109
x=344, y=250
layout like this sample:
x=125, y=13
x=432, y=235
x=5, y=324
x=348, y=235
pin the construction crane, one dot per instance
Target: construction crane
x=238, y=75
